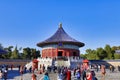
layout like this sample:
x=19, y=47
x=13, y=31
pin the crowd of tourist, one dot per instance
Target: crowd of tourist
x=64, y=73
x=79, y=73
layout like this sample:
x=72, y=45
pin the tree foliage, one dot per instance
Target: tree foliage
x=107, y=52
x=100, y=53
x=14, y=53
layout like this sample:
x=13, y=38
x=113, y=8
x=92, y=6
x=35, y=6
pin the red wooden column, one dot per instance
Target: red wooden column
x=63, y=54
x=56, y=53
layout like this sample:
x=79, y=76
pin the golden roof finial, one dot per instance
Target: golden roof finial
x=60, y=25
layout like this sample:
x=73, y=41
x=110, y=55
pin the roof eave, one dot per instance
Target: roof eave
x=79, y=44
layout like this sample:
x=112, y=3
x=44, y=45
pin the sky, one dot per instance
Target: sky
x=26, y=22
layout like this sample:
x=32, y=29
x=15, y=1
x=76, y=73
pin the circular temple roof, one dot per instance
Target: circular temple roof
x=60, y=36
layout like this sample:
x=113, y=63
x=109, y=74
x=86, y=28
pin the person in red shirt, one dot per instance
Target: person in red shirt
x=88, y=75
x=68, y=74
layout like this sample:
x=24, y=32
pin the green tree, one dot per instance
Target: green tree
x=15, y=54
x=101, y=53
x=9, y=50
x=110, y=53
x=38, y=53
x=91, y=54
x=26, y=53
x=83, y=56
x=114, y=48
x=33, y=51
x=117, y=56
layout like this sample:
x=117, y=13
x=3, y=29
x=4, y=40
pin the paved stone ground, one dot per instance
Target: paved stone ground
x=15, y=75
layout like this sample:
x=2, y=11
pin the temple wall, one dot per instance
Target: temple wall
x=53, y=52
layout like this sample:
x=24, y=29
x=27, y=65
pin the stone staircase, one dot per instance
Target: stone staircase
x=62, y=63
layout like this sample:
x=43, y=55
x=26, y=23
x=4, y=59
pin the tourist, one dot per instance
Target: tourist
x=33, y=77
x=113, y=68
x=46, y=76
x=43, y=68
x=1, y=74
x=21, y=69
x=68, y=75
x=25, y=69
x=59, y=69
x=54, y=69
x=64, y=73
x=5, y=74
x=74, y=72
x=48, y=68
x=11, y=67
x=84, y=74
x=78, y=74
x=60, y=76
x=118, y=68
x=110, y=68
x=97, y=67
x=103, y=72
x=88, y=75
x=93, y=75
x=30, y=69
x=33, y=69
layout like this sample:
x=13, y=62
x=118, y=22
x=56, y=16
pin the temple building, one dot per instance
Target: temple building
x=60, y=45
x=58, y=50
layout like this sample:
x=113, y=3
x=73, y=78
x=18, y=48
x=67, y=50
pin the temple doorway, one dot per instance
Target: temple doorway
x=74, y=54
x=60, y=53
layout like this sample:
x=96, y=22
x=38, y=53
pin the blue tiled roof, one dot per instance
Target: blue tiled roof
x=60, y=36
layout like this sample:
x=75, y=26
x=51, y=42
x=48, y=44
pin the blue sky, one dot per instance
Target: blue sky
x=26, y=22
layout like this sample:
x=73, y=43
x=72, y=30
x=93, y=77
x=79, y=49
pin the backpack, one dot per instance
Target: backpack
x=78, y=75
